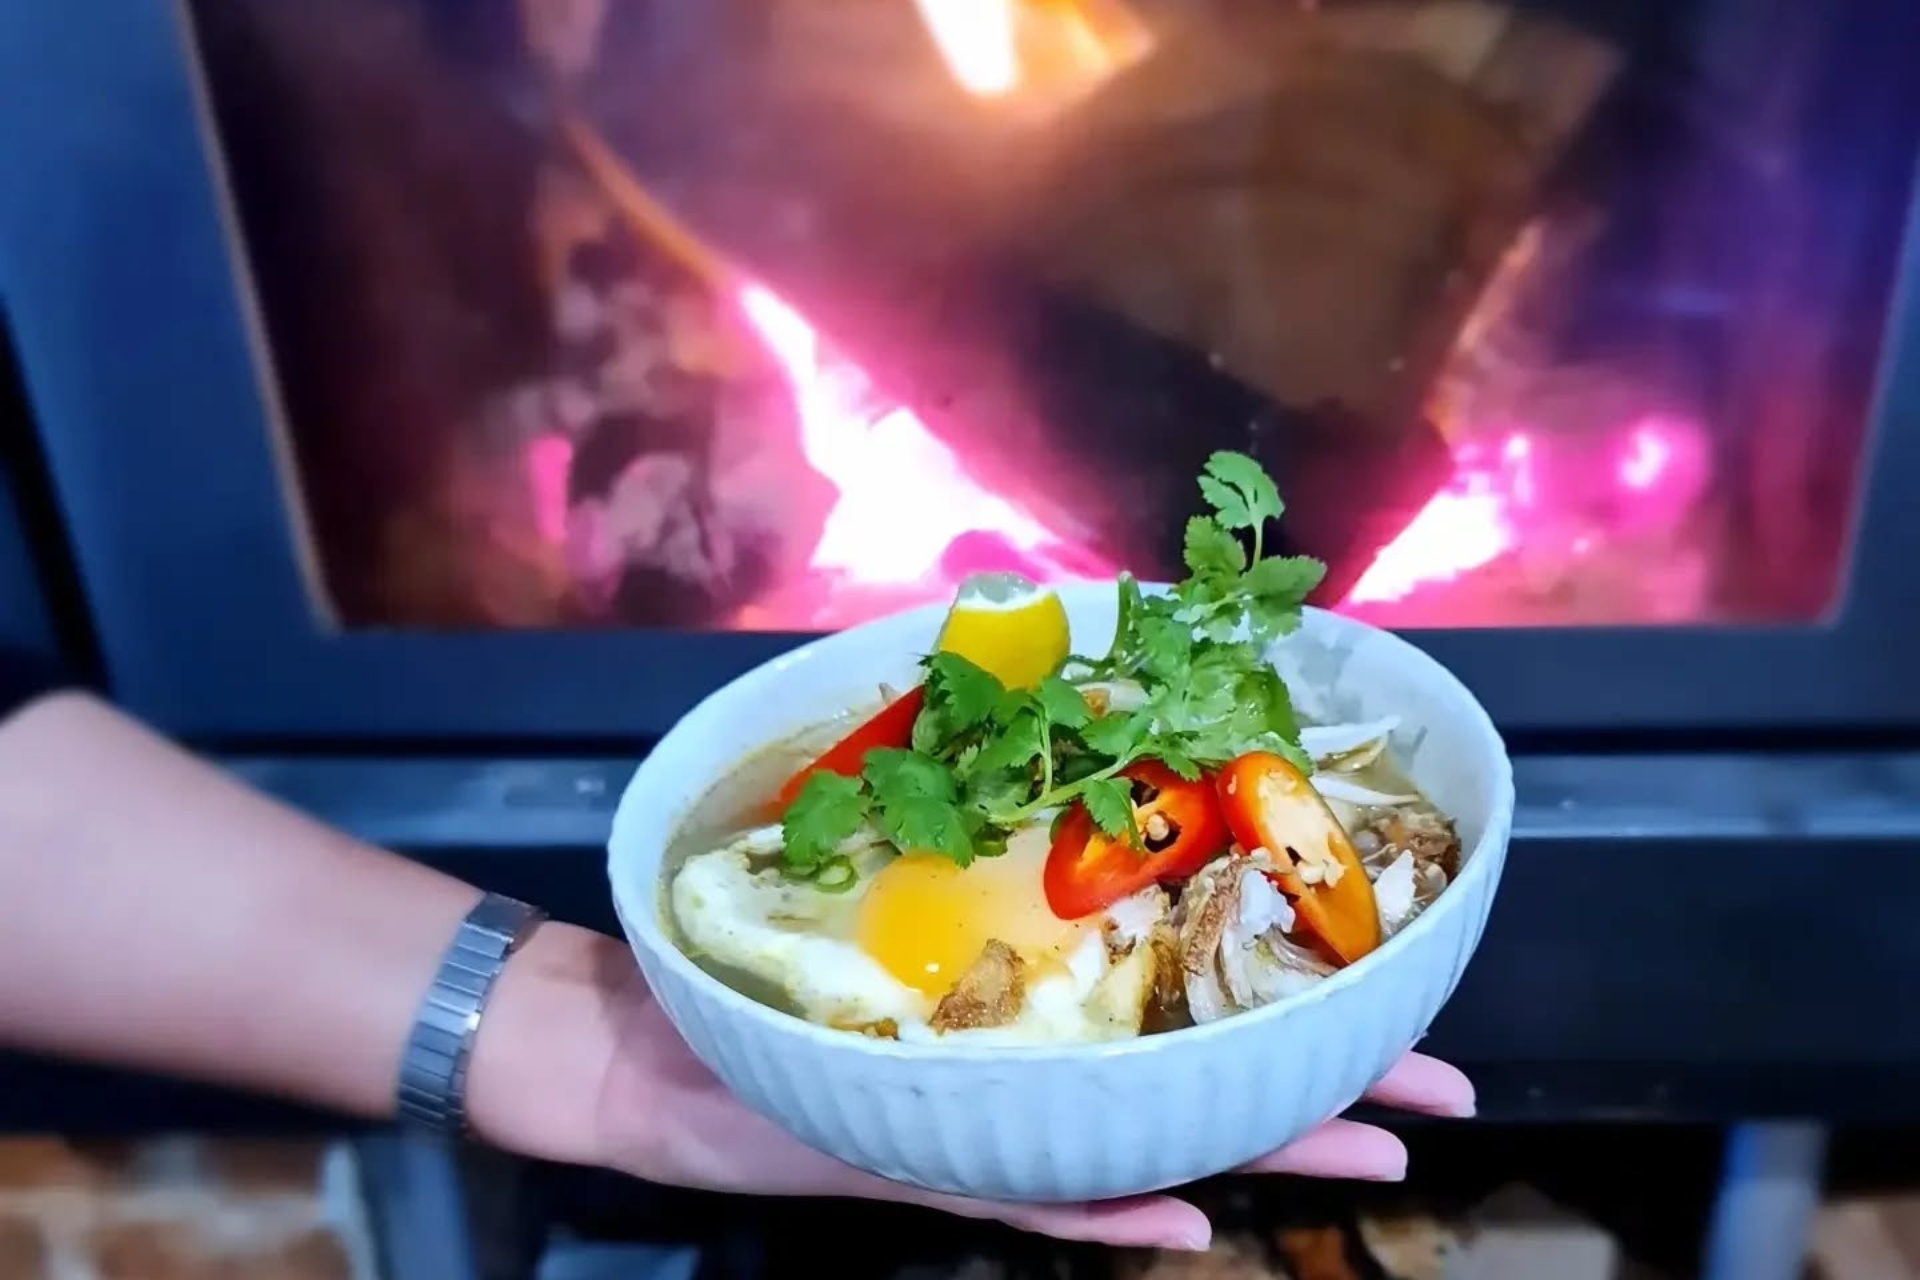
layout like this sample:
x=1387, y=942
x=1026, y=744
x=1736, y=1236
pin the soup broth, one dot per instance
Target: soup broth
x=738, y=805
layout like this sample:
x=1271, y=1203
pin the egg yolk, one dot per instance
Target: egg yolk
x=926, y=919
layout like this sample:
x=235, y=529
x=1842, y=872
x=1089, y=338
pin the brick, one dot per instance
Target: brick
x=22, y=1254
x=43, y=1164
x=264, y=1166
x=177, y=1251
x=147, y=1251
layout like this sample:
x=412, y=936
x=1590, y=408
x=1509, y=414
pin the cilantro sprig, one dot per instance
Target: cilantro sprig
x=985, y=759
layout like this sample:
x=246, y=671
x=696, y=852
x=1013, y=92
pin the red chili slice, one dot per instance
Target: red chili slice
x=1271, y=805
x=891, y=726
x=1181, y=828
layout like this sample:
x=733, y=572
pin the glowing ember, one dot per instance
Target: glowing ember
x=1466, y=525
x=1527, y=489
x=1647, y=455
x=907, y=513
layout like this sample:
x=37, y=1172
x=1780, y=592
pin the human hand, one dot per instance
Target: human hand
x=664, y=1117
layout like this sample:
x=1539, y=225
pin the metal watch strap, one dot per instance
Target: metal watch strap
x=433, y=1071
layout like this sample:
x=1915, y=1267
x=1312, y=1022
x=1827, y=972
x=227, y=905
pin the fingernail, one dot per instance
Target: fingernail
x=1397, y=1172
x=1463, y=1110
x=1198, y=1240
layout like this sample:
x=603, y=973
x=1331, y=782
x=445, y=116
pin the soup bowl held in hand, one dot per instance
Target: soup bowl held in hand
x=1080, y=1120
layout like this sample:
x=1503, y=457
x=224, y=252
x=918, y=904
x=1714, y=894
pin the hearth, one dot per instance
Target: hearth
x=590, y=353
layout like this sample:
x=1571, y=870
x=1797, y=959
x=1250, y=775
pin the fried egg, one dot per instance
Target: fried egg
x=881, y=956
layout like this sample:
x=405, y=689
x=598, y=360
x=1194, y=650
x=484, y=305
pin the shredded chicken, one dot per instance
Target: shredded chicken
x=1167, y=1006
x=1234, y=951
x=988, y=994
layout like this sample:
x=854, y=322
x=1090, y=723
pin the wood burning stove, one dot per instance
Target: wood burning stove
x=436, y=387
x=448, y=370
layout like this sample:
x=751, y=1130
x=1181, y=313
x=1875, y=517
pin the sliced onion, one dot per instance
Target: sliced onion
x=1334, y=787
x=1348, y=746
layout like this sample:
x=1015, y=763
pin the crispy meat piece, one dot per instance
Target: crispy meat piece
x=1210, y=907
x=1429, y=835
x=988, y=994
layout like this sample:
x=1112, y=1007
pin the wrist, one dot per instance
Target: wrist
x=545, y=1043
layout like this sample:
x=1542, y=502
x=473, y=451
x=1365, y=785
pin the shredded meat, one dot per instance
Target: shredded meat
x=1212, y=912
x=988, y=994
x=1425, y=833
x=1167, y=1005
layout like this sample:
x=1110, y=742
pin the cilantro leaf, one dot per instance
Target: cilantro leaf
x=1229, y=505
x=828, y=809
x=894, y=774
x=1275, y=589
x=1109, y=803
x=1063, y=704
x=960, y=696
x=1212, y=552
x=924, y=824
x=915, y=803
x=1172, y=754
x=997, y=792
x=1017, y=745
x=1119, y=736
x=1255, y=499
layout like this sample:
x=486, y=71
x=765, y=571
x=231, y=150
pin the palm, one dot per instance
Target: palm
x=665, y=1117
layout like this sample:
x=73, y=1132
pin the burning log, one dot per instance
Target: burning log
x=1316, y=199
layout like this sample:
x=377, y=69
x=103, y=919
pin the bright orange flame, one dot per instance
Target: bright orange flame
x=977, y=40
x=1046, y=50
x=904, y=498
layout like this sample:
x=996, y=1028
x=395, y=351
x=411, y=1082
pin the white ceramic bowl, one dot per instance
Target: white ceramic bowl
x=1090, y=1121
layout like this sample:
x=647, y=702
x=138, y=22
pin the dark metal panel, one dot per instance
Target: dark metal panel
x=139, y=355
x=26, y=623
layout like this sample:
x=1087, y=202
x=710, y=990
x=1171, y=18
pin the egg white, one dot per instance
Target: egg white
x=735, y=908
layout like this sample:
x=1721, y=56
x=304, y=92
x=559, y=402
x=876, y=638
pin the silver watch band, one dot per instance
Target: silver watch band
x=433, y=1070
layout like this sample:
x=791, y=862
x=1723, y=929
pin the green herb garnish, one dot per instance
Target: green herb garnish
x=985, y=759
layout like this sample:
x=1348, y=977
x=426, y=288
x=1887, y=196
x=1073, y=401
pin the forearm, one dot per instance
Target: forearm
x=156, y=913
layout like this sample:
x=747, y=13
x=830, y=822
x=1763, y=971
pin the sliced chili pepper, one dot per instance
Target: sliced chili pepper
x=1269, y=804
x=891, y=726
x=1180, y=829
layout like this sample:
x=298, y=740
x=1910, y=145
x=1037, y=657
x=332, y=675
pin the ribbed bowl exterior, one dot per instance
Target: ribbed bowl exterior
x=1067, y=1122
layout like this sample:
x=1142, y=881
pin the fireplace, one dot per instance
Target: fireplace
x=587, y=353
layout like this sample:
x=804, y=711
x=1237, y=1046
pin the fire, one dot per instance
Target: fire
x=1528, y=490
x=1038, y=50
x=906, y=507
x=976, y=39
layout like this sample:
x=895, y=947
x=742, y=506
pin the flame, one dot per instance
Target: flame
x=1526, y=490
x=907, y=514
x=1465, y=526
x=975, y=37
x=1049, y=49
x=905, y=502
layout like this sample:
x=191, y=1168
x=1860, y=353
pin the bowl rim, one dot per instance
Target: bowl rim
x=1481, y=864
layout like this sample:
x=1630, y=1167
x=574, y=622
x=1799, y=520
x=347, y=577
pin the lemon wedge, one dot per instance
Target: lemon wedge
x=1009, y=626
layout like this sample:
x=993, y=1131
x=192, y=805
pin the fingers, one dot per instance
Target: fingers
x=1146, y=1222
x=1339, y=1149
x=1150, y=1222
x=1427, y=1085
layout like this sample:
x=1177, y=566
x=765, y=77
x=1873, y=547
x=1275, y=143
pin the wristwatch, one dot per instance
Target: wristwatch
x=433, y=1070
